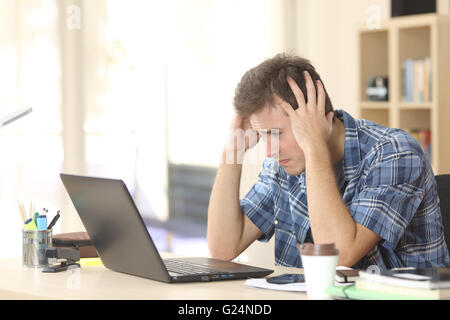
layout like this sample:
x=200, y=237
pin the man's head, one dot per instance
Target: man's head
x=259, y=95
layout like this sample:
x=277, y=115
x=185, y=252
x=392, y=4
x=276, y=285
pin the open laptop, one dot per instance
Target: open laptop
x=124, y=244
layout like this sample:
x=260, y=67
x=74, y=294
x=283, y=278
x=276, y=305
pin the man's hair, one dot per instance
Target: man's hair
x=259, y=85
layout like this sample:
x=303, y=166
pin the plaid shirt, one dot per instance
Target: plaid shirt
x=388, y=186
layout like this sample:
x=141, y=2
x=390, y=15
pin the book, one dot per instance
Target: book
x=429, y=278
x=407, y=80
x=416, y=80
x=345, y=276
x=426, y=81
x=381, y=288
x=424, y=138
x=352, y=292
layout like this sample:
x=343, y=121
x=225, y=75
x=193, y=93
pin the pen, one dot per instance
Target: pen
x=53, y=220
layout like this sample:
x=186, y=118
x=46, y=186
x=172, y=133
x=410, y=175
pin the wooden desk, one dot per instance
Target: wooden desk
x=98, y=282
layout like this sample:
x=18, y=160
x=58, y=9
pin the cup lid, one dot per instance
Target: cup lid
x=311, y=249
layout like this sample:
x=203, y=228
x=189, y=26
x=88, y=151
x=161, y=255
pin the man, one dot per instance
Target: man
x=331, y=178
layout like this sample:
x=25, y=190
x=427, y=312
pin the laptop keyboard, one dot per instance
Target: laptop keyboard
x=184, y=267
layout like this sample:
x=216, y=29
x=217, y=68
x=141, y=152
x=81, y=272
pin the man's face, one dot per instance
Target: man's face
x=289, y=154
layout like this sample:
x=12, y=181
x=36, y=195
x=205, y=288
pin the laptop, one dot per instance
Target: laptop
x=124, y=244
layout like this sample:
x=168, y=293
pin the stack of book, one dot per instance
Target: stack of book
x=401, y=284
x=417, y=77
x=424, y=138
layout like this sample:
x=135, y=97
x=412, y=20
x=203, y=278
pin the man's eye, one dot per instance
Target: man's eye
x=275, y=133
x=264, y=134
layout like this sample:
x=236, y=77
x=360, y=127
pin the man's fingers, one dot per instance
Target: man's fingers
x=320, y=97
x=310, y=89
x=297, y=93
x=236, y=121
x=287, y=108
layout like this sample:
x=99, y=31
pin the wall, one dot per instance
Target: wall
x=328, y=37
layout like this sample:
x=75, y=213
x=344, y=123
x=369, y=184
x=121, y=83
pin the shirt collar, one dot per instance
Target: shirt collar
x=352, y=150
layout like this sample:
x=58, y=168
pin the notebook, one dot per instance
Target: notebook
x=438, y=294
x=427, y=278
x=124, y=244
x=352, y=292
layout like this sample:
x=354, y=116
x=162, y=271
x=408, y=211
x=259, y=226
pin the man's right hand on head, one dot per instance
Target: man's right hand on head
x=241, y=137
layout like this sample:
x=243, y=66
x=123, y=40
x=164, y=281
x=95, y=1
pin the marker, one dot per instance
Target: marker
x=42, y=222
x=36, y=214
x=30, y=225
x=53, y=221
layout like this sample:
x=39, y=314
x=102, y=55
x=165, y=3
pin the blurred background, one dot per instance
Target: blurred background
x=142, y=91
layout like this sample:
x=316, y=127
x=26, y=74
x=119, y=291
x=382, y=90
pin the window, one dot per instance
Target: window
x=157, y=84
x=32, y=153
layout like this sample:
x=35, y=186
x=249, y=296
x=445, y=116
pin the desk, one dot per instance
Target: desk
x=98, y=282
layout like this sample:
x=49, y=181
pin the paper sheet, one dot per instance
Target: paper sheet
x=263, y=284
x=295, y=287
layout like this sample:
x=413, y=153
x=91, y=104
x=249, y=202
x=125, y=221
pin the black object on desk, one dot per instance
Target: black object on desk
x=69, y=257
x=287, y=278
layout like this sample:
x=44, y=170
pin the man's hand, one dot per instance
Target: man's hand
x=310, y=126
x=241, y=137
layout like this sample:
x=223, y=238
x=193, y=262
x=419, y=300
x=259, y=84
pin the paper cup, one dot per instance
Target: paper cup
x=319, y=264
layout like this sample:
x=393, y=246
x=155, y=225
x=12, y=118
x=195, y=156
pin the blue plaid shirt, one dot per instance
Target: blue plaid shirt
x=387, y=185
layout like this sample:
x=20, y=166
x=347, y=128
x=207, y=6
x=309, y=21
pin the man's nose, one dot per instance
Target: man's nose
x=272, y=148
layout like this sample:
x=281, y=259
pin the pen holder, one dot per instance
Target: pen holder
x=33, y=248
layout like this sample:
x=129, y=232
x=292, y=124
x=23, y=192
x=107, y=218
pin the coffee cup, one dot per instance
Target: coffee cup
x=319, y=266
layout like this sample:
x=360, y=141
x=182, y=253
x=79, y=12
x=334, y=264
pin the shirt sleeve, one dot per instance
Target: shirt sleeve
x=258, y=204
x=389, y=196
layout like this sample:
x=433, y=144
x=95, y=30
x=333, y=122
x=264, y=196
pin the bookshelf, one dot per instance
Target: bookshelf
x=418, y=90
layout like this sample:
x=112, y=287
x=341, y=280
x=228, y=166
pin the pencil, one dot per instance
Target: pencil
x=31, y=209
x=22, y=211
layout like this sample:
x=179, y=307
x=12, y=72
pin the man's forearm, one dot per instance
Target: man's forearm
x=225, y=220
x=329, y=217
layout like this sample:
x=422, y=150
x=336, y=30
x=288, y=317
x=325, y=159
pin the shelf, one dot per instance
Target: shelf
x=410, y=38
x=416, y=105
x=375, y=104
x=374, y=57
x=384, y=52
x=380, y=116
x=415, y=119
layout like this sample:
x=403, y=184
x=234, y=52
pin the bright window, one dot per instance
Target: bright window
x=32, y=153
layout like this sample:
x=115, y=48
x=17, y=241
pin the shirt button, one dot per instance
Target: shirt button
x=276, y=222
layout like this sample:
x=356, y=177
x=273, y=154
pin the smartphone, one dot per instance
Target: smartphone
x=287, y=278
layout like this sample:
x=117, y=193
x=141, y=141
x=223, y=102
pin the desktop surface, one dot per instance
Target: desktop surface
x=98, y=282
